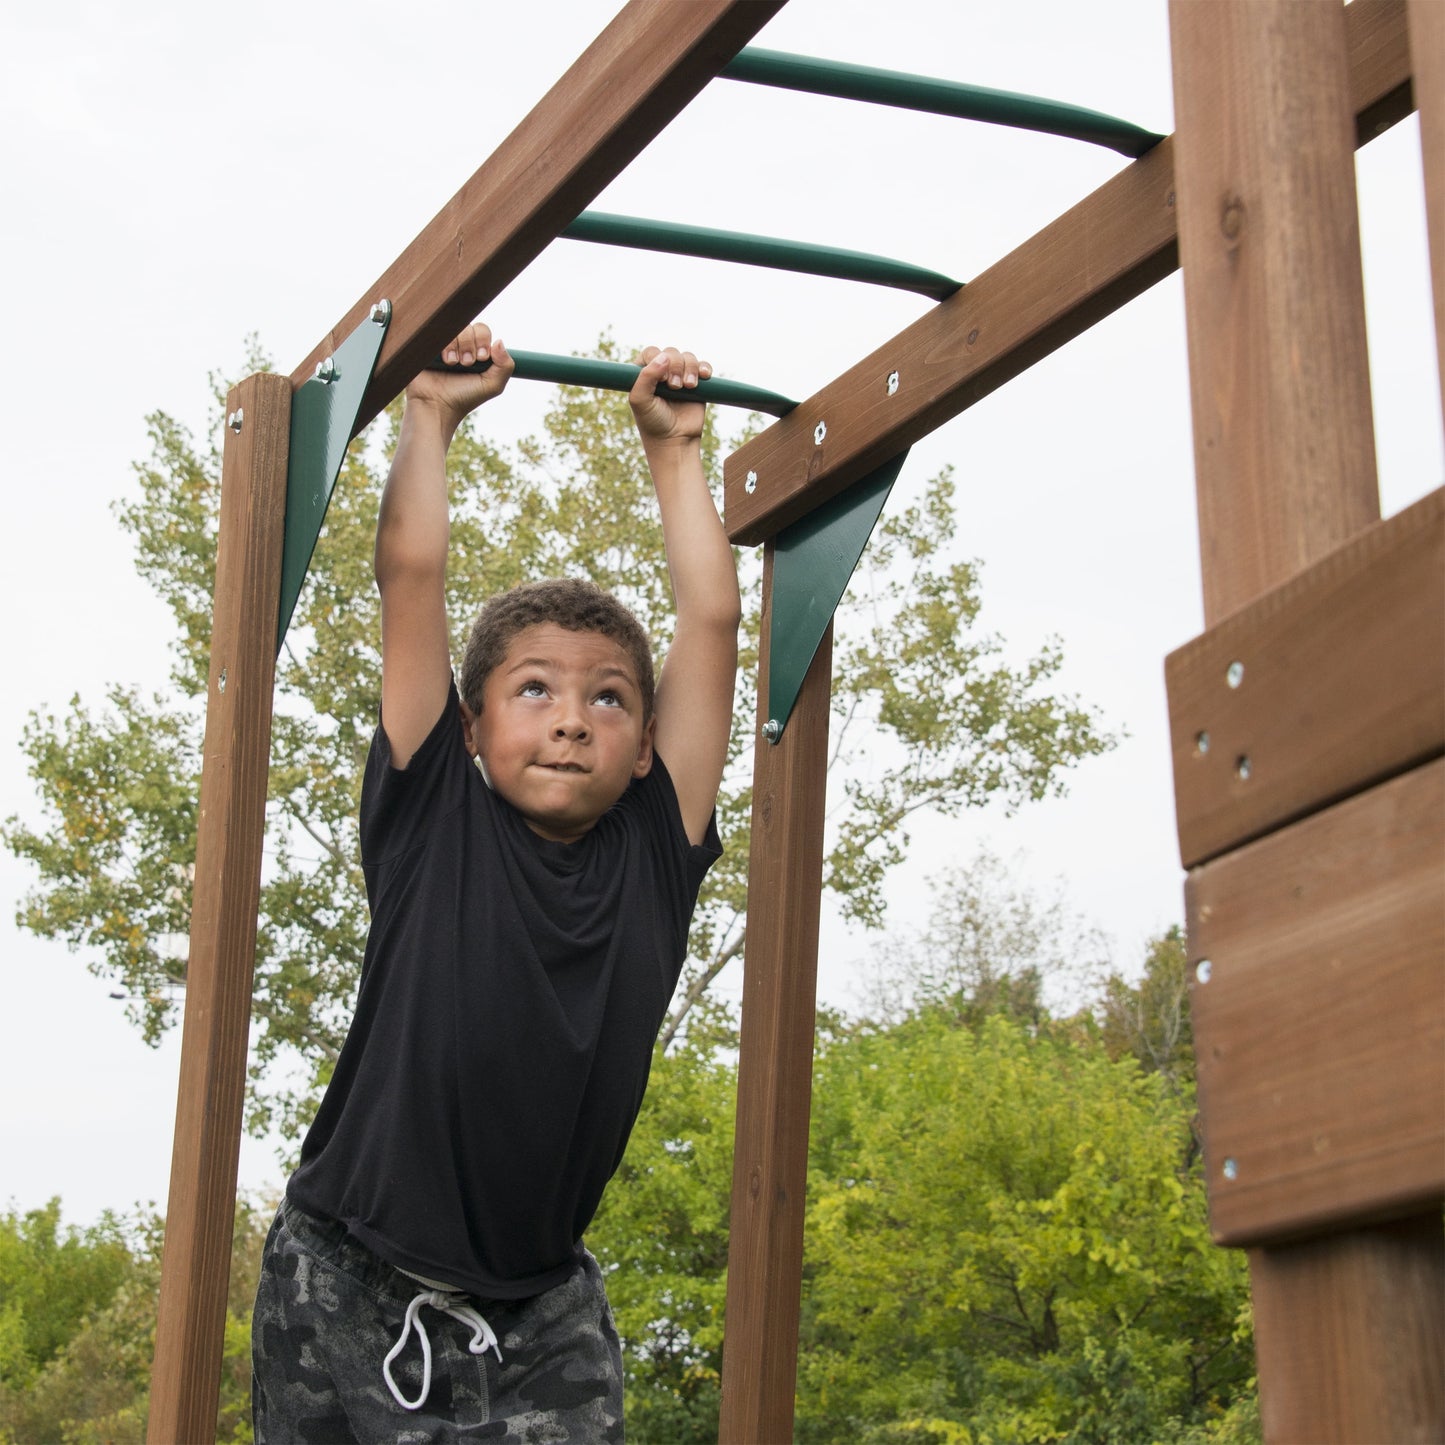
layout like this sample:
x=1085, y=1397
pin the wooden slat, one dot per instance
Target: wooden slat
x=186, y=1376
x=622, y=91
x=1342, y=686
x=1320, y=1033
x=775, y=1064
x=1393, y=1274
x=1086, y=264
x=1427, y=58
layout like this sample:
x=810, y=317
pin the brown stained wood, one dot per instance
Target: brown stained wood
x=1394, y=1277
x=1284, y=443
x=1427, y=57
x=649, y=62
x=186, y=1374
x=775, y=1063
x=1084, y=265
x=1342, y=685
x=1320, y=1032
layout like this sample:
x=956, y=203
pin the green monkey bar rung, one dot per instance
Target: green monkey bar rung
x=940, y=97
x=607, y=229
x=620, y=376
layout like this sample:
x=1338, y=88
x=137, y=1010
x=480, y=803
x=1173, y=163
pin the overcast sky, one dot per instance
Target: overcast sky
x=177, y=176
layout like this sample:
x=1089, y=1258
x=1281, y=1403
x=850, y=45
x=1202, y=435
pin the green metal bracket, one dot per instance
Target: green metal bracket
x=323, y=417
x=813, y=561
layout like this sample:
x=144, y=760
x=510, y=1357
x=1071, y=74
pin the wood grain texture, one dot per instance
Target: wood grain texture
x=1342, y=686
x=775, y=1064
x=1427, y=59
x=649, y=62
x=186, y=1375
x=1383, y=1378
x=1084, y=265
x=1320, y=1034
x=1284, y=442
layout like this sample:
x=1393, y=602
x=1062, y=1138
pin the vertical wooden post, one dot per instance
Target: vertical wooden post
x=1427, y=66
x=185, y=1379
x=1284, y=458
x=775, y=1064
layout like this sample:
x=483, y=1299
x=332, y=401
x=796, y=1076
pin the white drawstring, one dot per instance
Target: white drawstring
x=483, y=1339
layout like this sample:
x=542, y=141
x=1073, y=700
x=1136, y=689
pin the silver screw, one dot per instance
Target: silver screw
x=1234, y=674
x=819, y=432
x=892, y=382
x=1242, y=769
x=751, y=484
x=235, y=419
x=326, y=371
x=1231, y=1169
x=772, y=729
x=381, y=312
x=1201, y=743
x=221, y=681
x=1203, y=970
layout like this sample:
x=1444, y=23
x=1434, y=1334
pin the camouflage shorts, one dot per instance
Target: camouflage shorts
x=328, y=1312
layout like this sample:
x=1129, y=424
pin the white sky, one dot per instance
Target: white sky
x=176, y=176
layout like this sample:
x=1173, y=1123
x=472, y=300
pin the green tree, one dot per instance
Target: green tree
x=927, y=716
x=77, y=1322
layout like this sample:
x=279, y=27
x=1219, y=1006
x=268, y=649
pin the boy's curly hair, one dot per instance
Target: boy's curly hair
x=569, y=602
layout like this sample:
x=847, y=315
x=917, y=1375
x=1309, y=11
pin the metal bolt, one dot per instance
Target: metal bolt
x=381, y=312
x=819, y=432
x=1242, y=769
x=326, y=371
x=772, y=729
x=751, y=484
x=892, y=382
x=1201, y=743
x=1234, y=674
x=1203, y=970
x=235, y=419
x=221, y=681
x=1231, y=1169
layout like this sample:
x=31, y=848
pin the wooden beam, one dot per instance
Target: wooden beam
x=775, y=1064
x=1379, y=1374
x=1084, y=265
x=649, y=62
x=1320, y=1021
x=1268, y=239
x=1427, y=58
x=1326, y=685
x=185, y=1379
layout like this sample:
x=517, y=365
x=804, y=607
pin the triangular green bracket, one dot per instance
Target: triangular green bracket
x=812, y=563
x=323, y=417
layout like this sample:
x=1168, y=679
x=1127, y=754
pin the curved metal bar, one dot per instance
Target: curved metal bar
x=620, y=376
x=611, y=230
x=941, y=97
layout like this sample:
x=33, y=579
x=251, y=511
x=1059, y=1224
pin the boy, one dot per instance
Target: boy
x=529, y=920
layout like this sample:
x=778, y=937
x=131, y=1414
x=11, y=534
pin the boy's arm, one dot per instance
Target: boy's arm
x=412, y=535
x=694, y=705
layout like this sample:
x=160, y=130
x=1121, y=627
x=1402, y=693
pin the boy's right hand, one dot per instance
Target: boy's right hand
x=458, y=392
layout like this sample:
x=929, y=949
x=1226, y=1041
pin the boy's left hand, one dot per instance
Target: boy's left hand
x=671, y=417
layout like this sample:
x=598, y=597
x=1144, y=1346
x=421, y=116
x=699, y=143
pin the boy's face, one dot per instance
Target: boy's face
x=561, y=731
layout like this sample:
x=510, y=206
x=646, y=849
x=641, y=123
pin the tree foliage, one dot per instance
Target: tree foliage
x=927, y=716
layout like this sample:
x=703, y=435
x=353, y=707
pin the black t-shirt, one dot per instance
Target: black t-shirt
x=510, y=998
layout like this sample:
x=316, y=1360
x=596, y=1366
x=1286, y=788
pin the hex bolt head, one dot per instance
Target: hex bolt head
x=772, y=729
x=1201, y=743
x=1234, y=674
x=1204, y=970
x=326, y=371
x=1243, y=768
x=819, y=432
x=1231, y=1169
x=381, y=312
x=235, y=419
x=750, y=485
x=892, y=382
